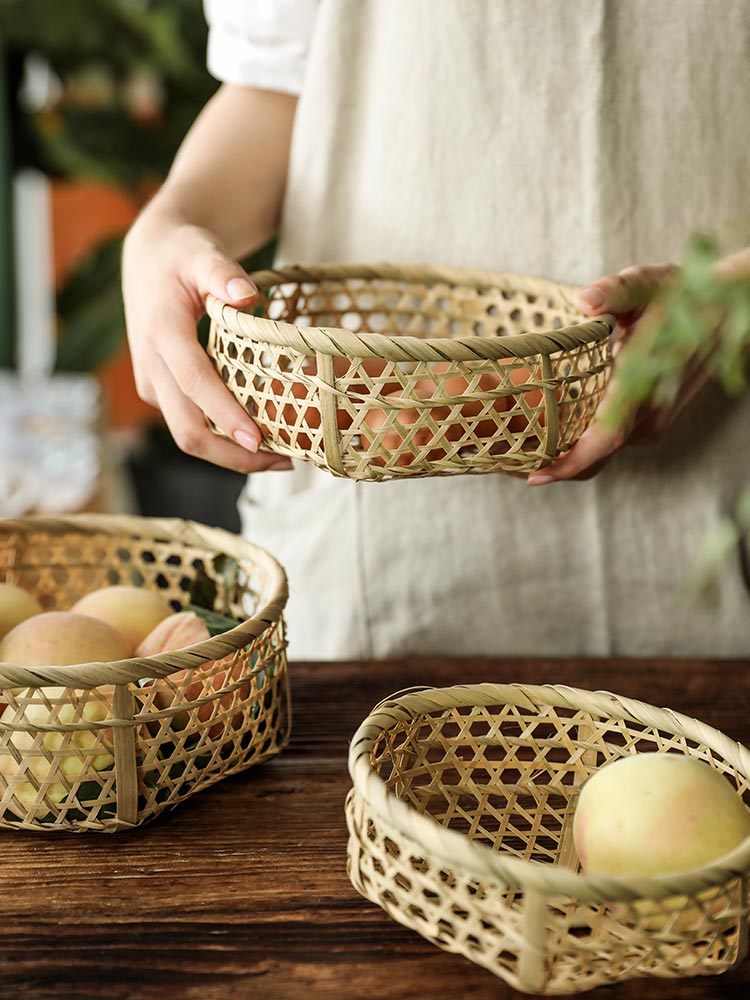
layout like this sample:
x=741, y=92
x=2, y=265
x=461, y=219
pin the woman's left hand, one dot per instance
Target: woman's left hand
x=630, y=296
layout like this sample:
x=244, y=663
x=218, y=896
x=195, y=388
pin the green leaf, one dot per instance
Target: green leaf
x=89, y=791
x=215, y=623
x=203, y=590
x=742, y=514
x=714, y=549
x=695, y=311
x=109, y=42
x=91, y=311
x=228, y=569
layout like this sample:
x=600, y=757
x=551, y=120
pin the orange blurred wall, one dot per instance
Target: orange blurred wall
x=83, y=214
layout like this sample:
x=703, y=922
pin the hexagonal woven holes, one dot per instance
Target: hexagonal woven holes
x=460, y=823
x=389, y=372
x=142, y=735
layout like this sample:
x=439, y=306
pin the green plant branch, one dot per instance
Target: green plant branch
x=702, y=316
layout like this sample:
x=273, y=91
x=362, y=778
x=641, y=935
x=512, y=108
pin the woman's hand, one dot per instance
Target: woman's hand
x=222, y=199
x=629, y=295
x=168, y=269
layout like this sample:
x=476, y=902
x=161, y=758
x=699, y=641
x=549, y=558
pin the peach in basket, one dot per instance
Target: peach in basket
x=429, y=427
x=383, y=372
x=95, y=737
x=462, y=827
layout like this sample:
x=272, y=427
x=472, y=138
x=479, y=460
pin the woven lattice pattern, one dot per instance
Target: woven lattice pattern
x=382, y=373
x=143, y=734
x=460, y=825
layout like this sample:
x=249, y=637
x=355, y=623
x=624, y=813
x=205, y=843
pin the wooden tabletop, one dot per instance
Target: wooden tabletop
x=242, y=892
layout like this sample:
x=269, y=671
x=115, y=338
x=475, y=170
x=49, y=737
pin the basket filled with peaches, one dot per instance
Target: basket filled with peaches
x=385, y=372
x=141, y=660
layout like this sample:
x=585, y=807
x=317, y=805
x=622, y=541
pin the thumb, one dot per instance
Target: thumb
x=627, y=292
x=216, y=274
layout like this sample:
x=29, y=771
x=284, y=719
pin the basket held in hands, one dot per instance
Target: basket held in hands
x=388, y=372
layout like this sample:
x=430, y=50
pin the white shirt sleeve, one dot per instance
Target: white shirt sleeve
x=260, y=43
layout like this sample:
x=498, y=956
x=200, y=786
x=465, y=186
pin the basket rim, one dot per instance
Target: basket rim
x=460, y=853
x=339, y=342
x=95, y=673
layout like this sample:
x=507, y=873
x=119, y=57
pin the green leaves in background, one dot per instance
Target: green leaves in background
x=132, y=78
x=721, y=541
x=102, y=51
x=701, y=316
x=90, y=310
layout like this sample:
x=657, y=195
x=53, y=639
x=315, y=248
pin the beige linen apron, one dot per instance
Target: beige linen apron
x=563, y=139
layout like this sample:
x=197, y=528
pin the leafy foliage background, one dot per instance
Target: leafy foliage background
x=700, y=316
x=106, y=54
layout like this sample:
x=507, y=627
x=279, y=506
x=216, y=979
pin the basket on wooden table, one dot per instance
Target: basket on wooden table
x=460, y=823
x=389, y=372
x=108, y=746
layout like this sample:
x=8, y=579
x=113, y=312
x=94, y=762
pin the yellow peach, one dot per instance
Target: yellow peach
x=176, y=632
x=134, y=611
x=46, y=761
x=405, y=418
x=16, y=605
x=656, y=814
x=184, y=628
x=61, y=638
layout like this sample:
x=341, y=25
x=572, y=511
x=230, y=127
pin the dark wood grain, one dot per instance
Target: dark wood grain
x=242, y=892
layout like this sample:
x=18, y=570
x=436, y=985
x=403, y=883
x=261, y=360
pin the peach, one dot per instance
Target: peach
x=656, y=814
x=16, y=605
x=134, y=611
x=196, y=684
x=294, y=420
x=61, y=638
x=426, y=389
x=176, y=632
x=42, y=758
x=184, y=628
x=179, y=630
x=519, y=422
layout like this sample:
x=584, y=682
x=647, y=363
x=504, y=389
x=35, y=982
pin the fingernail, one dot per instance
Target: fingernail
x=247, y=440
x=240, y=288
x=589, y=296
x=280, y=466
x=540, y=480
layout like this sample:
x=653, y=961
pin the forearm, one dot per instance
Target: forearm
x=735, y=265
x=222, y=199
x=230, y=172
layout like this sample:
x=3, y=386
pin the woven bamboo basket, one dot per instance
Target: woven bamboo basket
x=109, y=746
x=460, y=823
x=388, y=372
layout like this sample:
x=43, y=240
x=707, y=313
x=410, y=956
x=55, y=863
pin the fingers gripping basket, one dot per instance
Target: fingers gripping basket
x=108, y=746
x=460, y=823
x=389, y=372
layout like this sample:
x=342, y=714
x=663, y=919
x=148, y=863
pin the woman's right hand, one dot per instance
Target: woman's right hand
x=169, y=266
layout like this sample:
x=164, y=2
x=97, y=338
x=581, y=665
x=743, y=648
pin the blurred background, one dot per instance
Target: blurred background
x=95, y=97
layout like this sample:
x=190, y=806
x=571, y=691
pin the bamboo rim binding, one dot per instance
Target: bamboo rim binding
x=326, y=385
x=163, y=664
x=108, y=746
x=502, y=764
x=410, y=348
